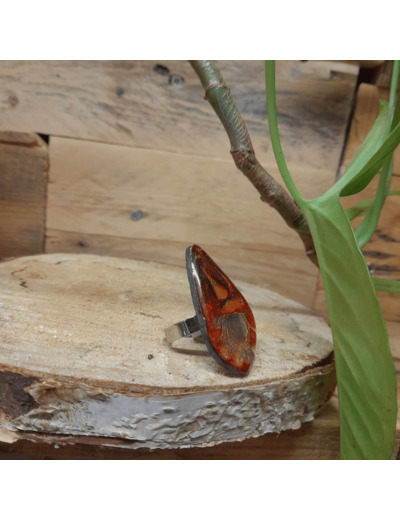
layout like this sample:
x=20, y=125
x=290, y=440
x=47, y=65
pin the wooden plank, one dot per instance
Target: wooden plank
x=384, y=77
x=160, y=105
x=23, y=188
x=383, y=251
x=183, y=199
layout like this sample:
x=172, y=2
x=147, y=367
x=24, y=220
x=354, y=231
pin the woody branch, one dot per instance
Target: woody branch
x=219, y=97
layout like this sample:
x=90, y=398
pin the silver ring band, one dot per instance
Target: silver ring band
x=188, y=328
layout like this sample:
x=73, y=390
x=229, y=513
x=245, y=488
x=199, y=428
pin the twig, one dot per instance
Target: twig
x=219, y=97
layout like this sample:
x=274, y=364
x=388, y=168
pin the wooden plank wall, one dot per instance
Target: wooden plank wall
x=159, y=105
x=138, y=138
x=24, y=164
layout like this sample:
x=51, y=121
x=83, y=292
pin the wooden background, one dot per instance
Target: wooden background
x=137, y=165
x=138, y=136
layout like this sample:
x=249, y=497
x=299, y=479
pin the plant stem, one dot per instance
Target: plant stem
x=274, y=132
x=393, y=86
x=219, y=97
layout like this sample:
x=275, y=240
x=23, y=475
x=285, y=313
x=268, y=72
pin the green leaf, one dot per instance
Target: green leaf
x=382, y=284
x=396, y=116
x=367, y=227
x=364, y=364
x=274, y=132
x=354, y=180
x=376, y=149
x=361, y=208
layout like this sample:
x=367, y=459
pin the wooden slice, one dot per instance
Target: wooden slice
x=83, y=353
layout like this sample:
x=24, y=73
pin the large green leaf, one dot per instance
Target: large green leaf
x=364, y=365
x=366, y=374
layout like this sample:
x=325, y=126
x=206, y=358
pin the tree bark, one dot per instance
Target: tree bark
x=219, y=97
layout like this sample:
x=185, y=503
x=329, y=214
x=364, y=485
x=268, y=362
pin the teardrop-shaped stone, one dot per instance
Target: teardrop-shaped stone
x=225, y=318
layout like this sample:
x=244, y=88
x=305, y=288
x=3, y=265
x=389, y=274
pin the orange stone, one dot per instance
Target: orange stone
x=224, y=316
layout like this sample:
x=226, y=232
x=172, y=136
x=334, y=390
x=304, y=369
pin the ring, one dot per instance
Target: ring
x=223, y=317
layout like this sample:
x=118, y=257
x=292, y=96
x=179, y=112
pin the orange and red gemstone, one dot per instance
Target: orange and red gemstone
x=225, y=318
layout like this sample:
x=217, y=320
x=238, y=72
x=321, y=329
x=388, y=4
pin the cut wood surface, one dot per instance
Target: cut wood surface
x=82, y=353
x=383, y=250
x=160, y=105
x=24, y=168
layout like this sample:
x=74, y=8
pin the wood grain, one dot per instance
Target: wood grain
x=183, y=200
x=258, y=266
x=83, y=352
x=160, y=105
x=23, y=189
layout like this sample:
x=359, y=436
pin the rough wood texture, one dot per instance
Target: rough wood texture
x=383, y=250
x=82, y=352
x=160, y=105
x=384, y=77
x=182, y=199
x=23, y=187
x=314, y=440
